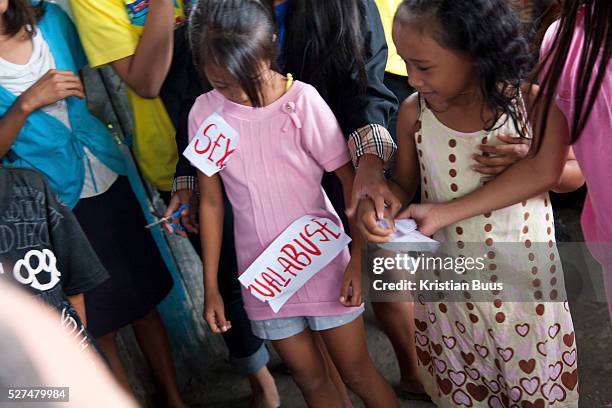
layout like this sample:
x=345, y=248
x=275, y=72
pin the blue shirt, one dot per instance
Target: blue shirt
x=281, y=11
x=45, y=143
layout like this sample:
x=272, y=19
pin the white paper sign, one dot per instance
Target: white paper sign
x=302, y=250
x=212, y=146
x=406, y=231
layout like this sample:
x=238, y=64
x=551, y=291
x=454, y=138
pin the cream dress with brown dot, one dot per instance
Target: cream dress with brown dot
x=498, y=353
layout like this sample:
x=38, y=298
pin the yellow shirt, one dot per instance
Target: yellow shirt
x=387, y=9
x=110, y=30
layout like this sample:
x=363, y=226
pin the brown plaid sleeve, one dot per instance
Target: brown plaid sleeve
x=184, y=183
x=372, y=139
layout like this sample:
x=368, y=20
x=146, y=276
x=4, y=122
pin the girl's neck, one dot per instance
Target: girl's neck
x=466, y=112
x=274, y=88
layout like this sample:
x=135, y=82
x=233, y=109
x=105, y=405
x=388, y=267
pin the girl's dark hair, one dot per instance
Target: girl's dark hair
x=592, y=67
x=236, y=35
x=487, y=31
x=21, y=13
x=326, y=36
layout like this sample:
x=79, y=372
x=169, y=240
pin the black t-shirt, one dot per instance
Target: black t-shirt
x=42, y=246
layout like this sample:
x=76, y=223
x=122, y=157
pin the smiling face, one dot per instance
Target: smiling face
x=439, y=74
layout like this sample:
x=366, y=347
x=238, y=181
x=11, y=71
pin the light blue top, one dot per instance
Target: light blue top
x=44, y=142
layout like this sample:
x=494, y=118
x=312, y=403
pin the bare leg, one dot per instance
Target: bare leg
x=108, y=345
x=302, y=357
x=263, y=386
x=332, y=371
x=153, y=340
x=396, y=320
x=347, y=347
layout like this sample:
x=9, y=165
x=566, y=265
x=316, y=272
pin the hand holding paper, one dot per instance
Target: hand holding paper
x=406, y=232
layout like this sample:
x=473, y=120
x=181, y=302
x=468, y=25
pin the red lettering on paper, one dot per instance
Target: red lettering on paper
x=288, y=265
x=285, y=281
x=221, y=162
x=260, y=288
x=299, y=257
x=217, y=144
x=312, y=248
x=323, y=231
x=202, y=151
x=271, y=281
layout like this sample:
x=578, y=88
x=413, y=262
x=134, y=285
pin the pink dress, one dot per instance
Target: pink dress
x=274, y=178
x=593, y=151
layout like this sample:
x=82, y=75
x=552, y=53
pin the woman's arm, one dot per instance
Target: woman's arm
x=364, y=116
x=145, y=71
x=211, y=235
x=406, y=174
x=54, y=86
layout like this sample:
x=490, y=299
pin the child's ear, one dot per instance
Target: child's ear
x=274, y=38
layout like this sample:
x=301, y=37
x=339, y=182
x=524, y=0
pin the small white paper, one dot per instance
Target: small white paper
x=299, y=253
x=406, y=232
x=212, y=146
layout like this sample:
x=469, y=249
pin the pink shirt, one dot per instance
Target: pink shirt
x=274, y=178
x=594, y=147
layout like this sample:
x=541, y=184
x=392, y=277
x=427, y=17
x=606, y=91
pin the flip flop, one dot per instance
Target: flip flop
x=407, y=395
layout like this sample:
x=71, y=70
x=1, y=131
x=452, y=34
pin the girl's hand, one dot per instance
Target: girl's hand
x=499, y=157
x=367, y=222
x=188, y=217
x=54, y=86
x=427, y=217
x=350, y=294
x=214, y=312
x=370, y=183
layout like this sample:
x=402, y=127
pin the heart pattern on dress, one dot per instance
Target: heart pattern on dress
x=569, y=357
x=522, y=329
x=554, y=370
x=461, y=398
x=530, y=385
x=506, y=354
x=554, y=330
x=457, y=377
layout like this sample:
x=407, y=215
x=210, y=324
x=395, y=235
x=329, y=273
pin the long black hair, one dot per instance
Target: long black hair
x=594, y=59
x=489, y=32
x=327, y=37
x=236, y=35
x=20, y=14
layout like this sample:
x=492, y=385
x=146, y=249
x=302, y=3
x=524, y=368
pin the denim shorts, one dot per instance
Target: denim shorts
x=283, y=328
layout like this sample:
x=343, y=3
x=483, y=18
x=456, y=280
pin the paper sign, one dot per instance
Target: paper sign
x=406, y=232
x=212, y=146
x=302, y=250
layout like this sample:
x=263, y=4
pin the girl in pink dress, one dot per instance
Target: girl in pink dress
x=288, y=137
